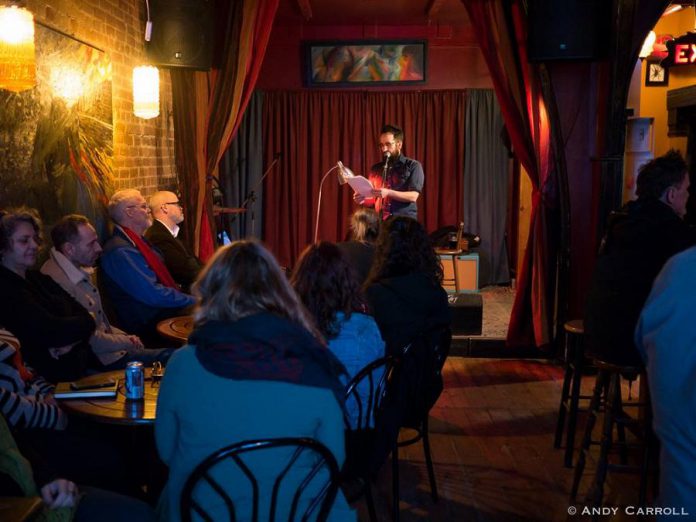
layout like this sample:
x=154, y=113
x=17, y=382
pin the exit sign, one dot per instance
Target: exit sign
x=681, y=51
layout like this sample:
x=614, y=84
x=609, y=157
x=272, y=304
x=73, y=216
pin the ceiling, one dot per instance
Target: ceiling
x=369, y=12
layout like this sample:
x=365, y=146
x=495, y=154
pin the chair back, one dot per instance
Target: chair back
x=366, y=392
x=298, y=487
x=421, y=376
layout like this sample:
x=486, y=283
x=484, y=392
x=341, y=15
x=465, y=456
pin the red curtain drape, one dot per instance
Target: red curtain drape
x=501, y=33
x=315, y=129
x=208, y=107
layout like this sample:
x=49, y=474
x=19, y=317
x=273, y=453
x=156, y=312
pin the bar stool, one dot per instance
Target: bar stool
x=574, y=358
x=609, y=382
x=452, y=255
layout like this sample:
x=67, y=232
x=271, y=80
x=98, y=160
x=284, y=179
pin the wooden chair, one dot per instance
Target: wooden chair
x=209, y=476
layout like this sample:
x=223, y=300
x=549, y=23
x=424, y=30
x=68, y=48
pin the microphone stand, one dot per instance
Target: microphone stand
x=321, y=186
x=251, y=195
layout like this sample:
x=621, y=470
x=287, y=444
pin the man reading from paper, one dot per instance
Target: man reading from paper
x=398, y=180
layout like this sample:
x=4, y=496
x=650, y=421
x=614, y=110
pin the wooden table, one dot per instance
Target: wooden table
x=176, y=328
x=118, y=410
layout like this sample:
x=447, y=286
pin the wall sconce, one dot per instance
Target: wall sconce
x=17, y=52
x=146, y=92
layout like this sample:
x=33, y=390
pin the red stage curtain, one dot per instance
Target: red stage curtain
x=315, y=129
x=208, y=107
x=518, y=90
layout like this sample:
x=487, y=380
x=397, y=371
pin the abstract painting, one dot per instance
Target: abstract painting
x=364, y=63
x=56, y=140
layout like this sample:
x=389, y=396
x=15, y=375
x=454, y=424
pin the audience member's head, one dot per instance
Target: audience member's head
x=20, y=238
x=364, y=224
x=403, y=247
x=75, y=238
x=128, y=208
x=327, y=284
x=166, y=207
x=666, y=179
x=244, y=279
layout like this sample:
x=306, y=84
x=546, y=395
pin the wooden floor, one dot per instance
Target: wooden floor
x=492, y=441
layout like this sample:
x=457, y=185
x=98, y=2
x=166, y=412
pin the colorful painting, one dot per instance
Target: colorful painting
x=361, y=63
x=56, y=140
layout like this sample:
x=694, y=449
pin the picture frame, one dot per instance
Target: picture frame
x=656, y=75
x=364, y=62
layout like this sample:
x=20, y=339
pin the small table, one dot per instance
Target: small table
x=176, y=328
x=118, y=410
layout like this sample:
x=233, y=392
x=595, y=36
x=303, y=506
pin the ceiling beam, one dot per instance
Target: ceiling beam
x=305, y=9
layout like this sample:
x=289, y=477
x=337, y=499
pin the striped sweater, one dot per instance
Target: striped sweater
x=25, y=404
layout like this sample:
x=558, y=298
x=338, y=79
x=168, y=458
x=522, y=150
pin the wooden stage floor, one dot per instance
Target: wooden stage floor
x=492, y=440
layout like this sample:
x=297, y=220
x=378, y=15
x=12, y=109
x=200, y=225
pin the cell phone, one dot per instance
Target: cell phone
x=91, y=385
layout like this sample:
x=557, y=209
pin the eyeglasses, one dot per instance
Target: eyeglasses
x=387, y=144
x=177, y=203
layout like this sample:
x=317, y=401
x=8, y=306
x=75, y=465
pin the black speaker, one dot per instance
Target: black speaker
x=182, y=33
x=568, y=29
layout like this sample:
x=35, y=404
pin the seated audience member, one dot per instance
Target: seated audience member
x=52, y=327
x=360, y=250
x=41, y=427
x=26, y=399
x=404, y=287
x=70, y=264
x=63, y=500
x=666, y=338
x=168, y=214
x=255, y=368
x=637, y=244
x=327, y=286
x=139, y=285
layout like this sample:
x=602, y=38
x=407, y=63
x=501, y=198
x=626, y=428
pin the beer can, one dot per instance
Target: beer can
x=135, y=381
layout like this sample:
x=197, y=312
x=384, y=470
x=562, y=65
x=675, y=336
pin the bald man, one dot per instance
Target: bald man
x=168, y=214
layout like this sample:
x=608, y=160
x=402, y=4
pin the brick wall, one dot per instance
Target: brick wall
x=143, y=149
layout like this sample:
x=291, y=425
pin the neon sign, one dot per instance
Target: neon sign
x=681, y=51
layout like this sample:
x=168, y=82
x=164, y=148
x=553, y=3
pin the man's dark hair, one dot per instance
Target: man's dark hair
x=393, y=129
x=659, y=174
x=67, y=229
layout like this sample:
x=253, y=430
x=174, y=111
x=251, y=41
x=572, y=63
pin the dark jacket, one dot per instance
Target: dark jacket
x=638, y=242
x=405, y=307
x=42, y=316
x=360, y=255
x=183, y=265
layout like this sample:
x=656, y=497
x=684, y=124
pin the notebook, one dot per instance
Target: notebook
x=97, y=386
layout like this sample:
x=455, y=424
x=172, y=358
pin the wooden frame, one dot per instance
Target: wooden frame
x=656, y=75
x=364, y=62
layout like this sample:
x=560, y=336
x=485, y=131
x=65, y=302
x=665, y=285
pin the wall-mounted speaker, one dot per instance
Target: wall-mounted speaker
x=182, y=33
x=568, y=29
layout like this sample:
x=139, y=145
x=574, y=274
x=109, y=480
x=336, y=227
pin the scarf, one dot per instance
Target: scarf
x=267, y=347
x=152, y=259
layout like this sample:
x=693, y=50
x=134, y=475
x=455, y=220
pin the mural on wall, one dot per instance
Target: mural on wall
x=56, y=140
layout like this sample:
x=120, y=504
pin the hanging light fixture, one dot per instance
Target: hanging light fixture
x=648, y=43
x=17, y=52
x=146, y=92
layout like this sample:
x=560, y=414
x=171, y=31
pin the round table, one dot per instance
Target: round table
x=176, y=328
x=118, y=410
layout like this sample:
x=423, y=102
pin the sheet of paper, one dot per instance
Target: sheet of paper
x=361, y=185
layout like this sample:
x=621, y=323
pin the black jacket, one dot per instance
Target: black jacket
x=183, y=265
x=42, y=316
x=638, y=242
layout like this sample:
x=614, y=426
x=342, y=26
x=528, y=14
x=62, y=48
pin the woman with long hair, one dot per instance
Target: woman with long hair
x=255, y=367
x=404, y=287
x=328, y=288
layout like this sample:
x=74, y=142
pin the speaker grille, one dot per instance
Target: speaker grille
x=182, y=34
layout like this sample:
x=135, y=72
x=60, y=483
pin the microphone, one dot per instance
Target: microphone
x=387, y=155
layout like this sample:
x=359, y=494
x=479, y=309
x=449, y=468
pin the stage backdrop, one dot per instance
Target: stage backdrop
x=56, y=140
x=313, y=130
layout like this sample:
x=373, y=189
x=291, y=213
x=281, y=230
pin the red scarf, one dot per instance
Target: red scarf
x=152, y=259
